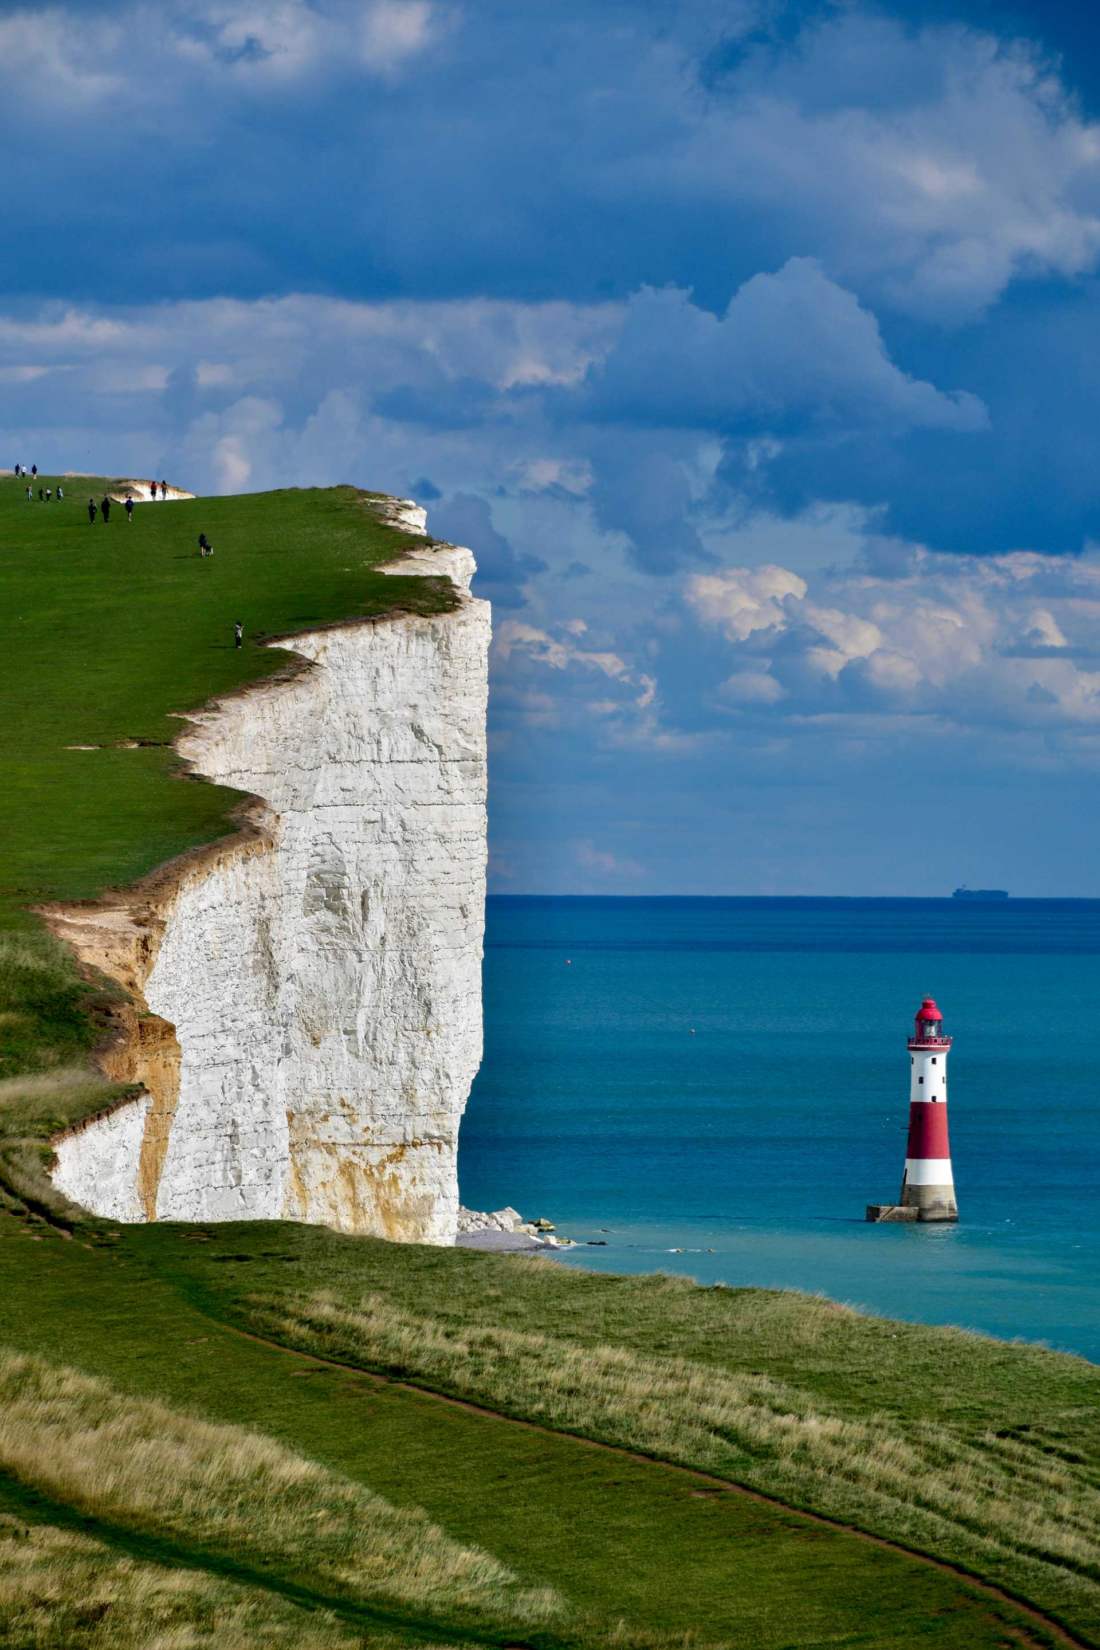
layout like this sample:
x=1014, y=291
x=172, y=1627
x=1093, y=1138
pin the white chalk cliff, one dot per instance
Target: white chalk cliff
x=306, y=997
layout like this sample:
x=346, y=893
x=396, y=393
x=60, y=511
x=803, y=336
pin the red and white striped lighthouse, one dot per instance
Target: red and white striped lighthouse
x=928, y=1184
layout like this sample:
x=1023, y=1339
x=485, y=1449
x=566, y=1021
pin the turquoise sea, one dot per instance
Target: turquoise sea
x=719, y=1086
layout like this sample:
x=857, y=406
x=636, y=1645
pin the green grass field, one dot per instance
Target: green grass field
x=246, y=1435
x=635, y=1553
x=111, y=632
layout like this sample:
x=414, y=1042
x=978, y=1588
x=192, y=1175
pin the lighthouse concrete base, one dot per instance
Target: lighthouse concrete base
x=906, y=1213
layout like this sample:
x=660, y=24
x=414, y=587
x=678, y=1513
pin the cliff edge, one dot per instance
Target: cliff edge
x=304, y=998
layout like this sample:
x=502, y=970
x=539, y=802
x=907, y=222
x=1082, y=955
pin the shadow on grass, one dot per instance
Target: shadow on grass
x=36, y=1508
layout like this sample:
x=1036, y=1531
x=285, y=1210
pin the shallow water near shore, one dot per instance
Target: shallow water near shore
x=728, y=1078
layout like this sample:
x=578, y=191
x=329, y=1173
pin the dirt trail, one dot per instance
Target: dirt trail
x=1054, y=1630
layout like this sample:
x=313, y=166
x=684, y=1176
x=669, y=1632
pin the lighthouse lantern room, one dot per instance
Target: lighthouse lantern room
x=928, y=1184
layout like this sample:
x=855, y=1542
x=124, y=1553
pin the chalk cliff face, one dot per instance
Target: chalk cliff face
x=307, y=1017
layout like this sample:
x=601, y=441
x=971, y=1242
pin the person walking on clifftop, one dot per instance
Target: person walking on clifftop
x=129, y=508
x=105, y=506
x=93, y=509
x=238, y=634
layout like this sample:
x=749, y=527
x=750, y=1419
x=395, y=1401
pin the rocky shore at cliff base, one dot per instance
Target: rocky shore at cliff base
x=506, y=1230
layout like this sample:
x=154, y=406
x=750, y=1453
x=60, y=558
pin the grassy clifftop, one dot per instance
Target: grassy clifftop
x=113, y=628
x=111, y=631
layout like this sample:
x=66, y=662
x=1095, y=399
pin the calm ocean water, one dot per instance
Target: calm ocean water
x=729, y=1078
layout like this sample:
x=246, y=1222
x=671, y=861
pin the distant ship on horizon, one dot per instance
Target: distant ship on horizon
x=979, y=893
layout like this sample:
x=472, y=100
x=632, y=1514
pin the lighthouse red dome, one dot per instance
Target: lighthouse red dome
x=928, y=1029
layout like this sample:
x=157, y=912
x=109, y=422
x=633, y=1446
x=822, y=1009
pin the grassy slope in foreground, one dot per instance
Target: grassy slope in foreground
x=982, y=1453
x=227, y=1493
x=616, y=1539
x=61, y=1589
x=112, y=631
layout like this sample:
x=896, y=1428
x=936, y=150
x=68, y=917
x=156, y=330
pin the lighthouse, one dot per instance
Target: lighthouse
x=928, y=1184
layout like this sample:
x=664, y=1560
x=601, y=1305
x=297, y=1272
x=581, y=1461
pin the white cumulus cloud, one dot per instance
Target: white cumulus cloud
x=744, y=599
x=965, y=641
x=393, y=30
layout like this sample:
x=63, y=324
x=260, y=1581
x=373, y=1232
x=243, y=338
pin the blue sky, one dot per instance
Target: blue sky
x=752, y=347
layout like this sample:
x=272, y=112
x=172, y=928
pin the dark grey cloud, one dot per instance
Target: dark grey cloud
x=1027, y=480
x=792, y=351
x=424, y=148
x=642, y=489
x=501, y=570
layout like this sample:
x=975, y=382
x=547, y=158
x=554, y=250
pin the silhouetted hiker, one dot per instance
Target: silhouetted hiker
x=105, y=506
x=60, y=490
x=129, y=508
x=238, y=634
x=34, y=470
x=205, y=546
x=41, y=496
x=93, y=508
x=163, y=489
x=18, y=471
x=30, y=496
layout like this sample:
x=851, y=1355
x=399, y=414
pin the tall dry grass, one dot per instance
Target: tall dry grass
x=63, y=1591
x=224, y=1490
x=1019, y=1509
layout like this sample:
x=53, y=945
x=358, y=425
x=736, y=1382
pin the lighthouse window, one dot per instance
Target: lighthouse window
x=920, y=1079
x=933, y=1059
